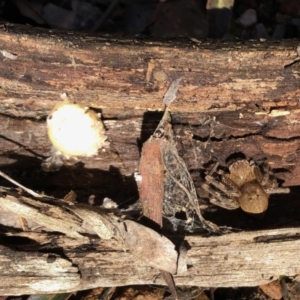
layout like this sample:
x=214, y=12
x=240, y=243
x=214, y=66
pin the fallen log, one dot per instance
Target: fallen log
x=234, y=97
x=49, y=262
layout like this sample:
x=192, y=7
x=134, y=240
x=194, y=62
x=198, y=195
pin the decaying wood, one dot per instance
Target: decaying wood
x=69, y=264
x=89, y=220
x=233, y=97
x=112, y=73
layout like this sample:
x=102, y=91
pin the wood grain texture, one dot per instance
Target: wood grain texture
x=35, y=272
x=237, y=259
x=234, y=97
x=112, y=73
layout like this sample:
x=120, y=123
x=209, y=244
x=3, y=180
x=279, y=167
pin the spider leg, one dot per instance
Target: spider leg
x=277, y=190
x=223, y=191
x=263, y=173
x=267, y=179
x=226, y=185
x=220, y=199
x=214, y=168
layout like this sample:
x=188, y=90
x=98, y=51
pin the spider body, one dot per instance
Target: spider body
x=247, y=185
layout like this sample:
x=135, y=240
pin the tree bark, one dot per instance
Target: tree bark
x=233, y=260
x=234, y=97
x=48, y=262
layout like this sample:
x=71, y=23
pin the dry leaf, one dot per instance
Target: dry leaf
x=171, y=93
x=165, y=175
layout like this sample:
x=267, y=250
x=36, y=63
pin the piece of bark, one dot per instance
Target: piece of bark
x=144, y=243
x=272, y=289
x=152, y=187
x=154, y=249
x=43, y=214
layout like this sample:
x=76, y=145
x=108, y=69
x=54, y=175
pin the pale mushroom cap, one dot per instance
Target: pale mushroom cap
x=74, y=130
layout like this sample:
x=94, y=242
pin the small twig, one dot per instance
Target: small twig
x=29, y=191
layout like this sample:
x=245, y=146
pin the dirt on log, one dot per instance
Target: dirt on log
x=234, y=97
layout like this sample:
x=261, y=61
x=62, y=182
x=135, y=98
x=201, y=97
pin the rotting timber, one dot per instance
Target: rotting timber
x=234, y=97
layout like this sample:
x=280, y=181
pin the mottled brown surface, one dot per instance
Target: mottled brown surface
x=234, y=97
x=113, y=73
x=239, y=259
x=226, y=100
